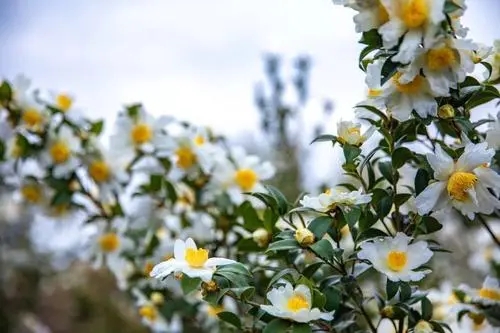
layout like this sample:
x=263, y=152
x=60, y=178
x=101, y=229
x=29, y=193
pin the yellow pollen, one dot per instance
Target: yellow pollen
x=99, y=171
x=328, y=191
x=214, y=310
x=64, y=102
x=414, y=13
x=344, y=232
x=382, y=14
x=354, y=130
x=453, y=299
x=109, y=242
x=149, y=312
x=396, y=260
x=31, y=193
x=141, y=133
x=297, y=302
x=374, y=93
x=441, y=58
x=196, y=258
x=459, y=183
x=60, y=152
x=199, y=140
x=185, y=157
x=59, y=210
x=410, y=87
x=33, y=118
x=488, y=293
x=148, y=267
x=246, y=179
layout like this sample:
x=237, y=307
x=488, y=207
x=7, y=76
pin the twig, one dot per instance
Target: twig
x=492, y=234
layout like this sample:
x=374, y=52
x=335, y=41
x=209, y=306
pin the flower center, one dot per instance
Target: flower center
x=410, y=87
x=441, y=58
x=199, y=140
x=196, y=257
x=297, y=302
x=64, y=102
x=99, y=171
x=32, y=117
x=396, y=260
x=109, y=242
x=459, y=183
x=214, y=310
x=141, y=133
x=149, y=312
x=414, y=13
x=372, y=93
x=246, y=179
x=489, y=294
x=31, y=193
x=60, y=152
x=185, y=157
x=382, y=14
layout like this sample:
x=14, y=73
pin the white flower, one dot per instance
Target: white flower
x=335, y=197
x=151, y=315
x=463, y=184
x=65, y=103
x=493, y=133
x=489, y=294
x=294, y=304
x=473, y=324
x=140, y=132
x=485, y=251
x=243, y=173
x=444, y=303
x=444, y=65
x=62, y=149
x=202, y=227
x=350, y=132
x=191, y=261
x=415, y=20
x=375, y=95
x=494, y=61
x=396, y=257
x=371, y=13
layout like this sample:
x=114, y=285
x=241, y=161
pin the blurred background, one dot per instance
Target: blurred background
x=269, y=74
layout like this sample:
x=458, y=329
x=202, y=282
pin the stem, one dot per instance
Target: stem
x=492, y=234
x=367, y=318
x=401, y=326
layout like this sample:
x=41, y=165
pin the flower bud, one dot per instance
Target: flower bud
x=477, y=318
x=261, y=237
x=446, y=111
x=304, y=236
x=209, y=286
x=423, y=327
x=157, y=298
x=387, y=312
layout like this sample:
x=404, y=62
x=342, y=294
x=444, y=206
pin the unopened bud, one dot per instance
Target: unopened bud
x=446, y=111
x=178, y=275
x=157, y=298
x=387, y=312
x=209, y=286
x=477, y=318
x=423, y=327
x=304, y=236
x=261, y=237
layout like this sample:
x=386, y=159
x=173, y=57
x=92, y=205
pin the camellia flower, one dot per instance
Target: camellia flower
x=444, y=65
x=62, y=149
x=64, y=102
x=140, y=132
x=294, y=304
x=335, y=197
x=373, y=82
x=350, y=132
x=190, y=260
x=151, y=316
x=396, y=257
x=463, y=184
x=488, y=294
x=493, y=133
x=494, y=61
x=415, y=19
x=371, y=13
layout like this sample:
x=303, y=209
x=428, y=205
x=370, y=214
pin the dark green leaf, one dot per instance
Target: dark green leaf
x=391, y=289
x=325, y=138
x=351, y=216
x=97, y=127
x=323, y=249
x=421, y=180
x=333, y=298
x=277, y=326
x=251, y=220
x=309, y=271
x=5, y=92
x=189, y=284
x=248, y=245
x=386, y=170
x=350, y=153
x=426, y=309
x=369, y=234
x=280, y=199
x=400, y=156
x=230, y=318
x=320, y=225
x=450, y=6
x=286, y=244
x=301, y=328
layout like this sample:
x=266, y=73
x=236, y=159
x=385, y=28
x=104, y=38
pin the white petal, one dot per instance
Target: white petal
x=474, y=155
x=190, y=244
x=418, y=254
x=179, y=250
x=429, y=197
x=425, y=105
x=203, y=273
x=409, y=46
x=441, y=163
x=165, y=268
x=391, y=31
x=215, y=261
x=304, y=291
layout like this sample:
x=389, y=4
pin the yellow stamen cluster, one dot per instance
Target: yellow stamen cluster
x=141, y=133
x=60, y=152
x=441, y=58
x=64, y=102
x=186, y=158
x=148, y=312
x=459, y=184
x=297, y=302
x=109, y=242
x=397, y=260
x=196, y=258
x=99, y=171
x=408, y=88
x=491, y=294
x=415, y=13
x=246, y=179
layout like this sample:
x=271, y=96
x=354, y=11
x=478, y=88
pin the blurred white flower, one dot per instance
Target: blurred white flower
x=350, y=132
x=335, y=197
x=62, y=152
x=493, y=132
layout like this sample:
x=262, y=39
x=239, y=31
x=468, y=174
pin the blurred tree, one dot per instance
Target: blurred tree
x=280, y=118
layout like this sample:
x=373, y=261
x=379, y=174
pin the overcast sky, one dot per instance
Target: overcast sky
x=195, y=59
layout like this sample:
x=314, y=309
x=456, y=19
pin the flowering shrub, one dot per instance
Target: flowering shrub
x=188, y=227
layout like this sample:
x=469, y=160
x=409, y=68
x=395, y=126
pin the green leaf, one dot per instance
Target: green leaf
x=367, y=220
x=333, y=298
x=325, y=138
x=381, y=202
x=450, y=7
x=286, y=244
x=400, y=156
x=277, y=326
x=155, y=182
x=389, y=68
x=281, y=274
x=230, y=318
x=248, y=245
x=391, y=289
x=320, y=225
x=401, y=198
x=373, y=110
x=372, y=38
x=350, y=153
x=301, y=328
x=251, y=220
x=351, y=216
x=386, y=170
x=428, y=225
x=370, y=233
x=323, y=249
x=421, y=181
x=280, y=199
x=5, y=92
x=189, y=284
x=309, y=271
x=133, y=110
x=97, y=127
x=427, y=309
